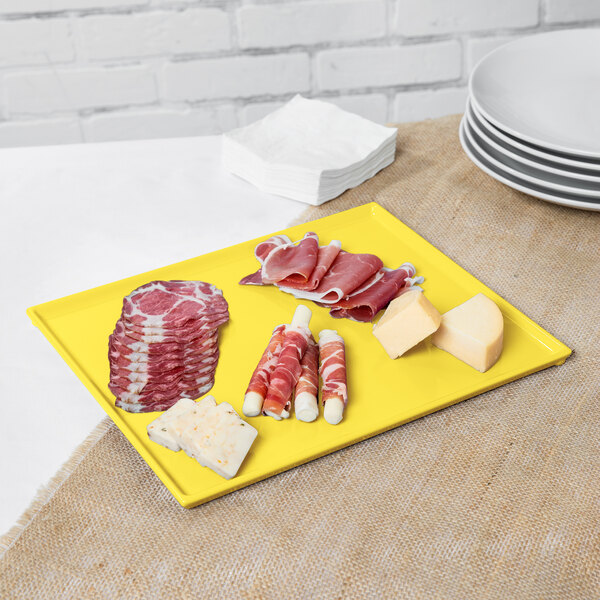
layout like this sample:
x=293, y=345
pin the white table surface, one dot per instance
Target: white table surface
x=75, y=217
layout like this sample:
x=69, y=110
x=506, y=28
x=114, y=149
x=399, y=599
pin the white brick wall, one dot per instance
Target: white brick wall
x=156, y=33
x=571, y=11
x=35, y=42
x=95, y=70
x=435, y=17
x=70, y=90
x=236, y=77
x=308, y=23
x=387, y=66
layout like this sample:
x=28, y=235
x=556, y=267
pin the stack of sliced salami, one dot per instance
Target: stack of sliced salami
x=352, y=286
x=165, y=344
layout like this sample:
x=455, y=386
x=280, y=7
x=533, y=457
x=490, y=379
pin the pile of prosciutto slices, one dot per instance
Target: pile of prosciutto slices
x=352, y=286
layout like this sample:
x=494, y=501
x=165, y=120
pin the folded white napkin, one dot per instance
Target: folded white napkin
x=308, y=150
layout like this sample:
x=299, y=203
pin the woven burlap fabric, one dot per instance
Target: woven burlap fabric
x=496, y=497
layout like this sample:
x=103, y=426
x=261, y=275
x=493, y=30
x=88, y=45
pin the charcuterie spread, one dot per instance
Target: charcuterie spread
x=352, y=286
x=164, y=349
x=165, y=344
x=303, y=382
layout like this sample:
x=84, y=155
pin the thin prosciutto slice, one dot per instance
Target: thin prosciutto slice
x=291, y=260
x=347, y=273
x=280, y=258
x=364, y=303
x=334, y=392
x=327, y=254
x=261, y=252
x=305, y=400
x=259, y=382
x=286, y=373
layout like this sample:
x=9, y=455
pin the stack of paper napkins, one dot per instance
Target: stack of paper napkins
x=309, y=150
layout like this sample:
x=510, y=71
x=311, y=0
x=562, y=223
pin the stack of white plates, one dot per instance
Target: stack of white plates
x=533, y=117
x=309, y=150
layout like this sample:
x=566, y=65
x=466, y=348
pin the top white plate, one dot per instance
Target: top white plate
x=544, y=89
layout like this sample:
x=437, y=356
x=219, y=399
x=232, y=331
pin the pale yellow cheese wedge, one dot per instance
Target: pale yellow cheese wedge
x=408, y=319
x=473, y=332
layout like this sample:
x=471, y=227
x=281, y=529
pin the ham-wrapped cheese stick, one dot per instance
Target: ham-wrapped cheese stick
x=334, y=393
x=259, y=382
x=305, y=402
x=285, y=375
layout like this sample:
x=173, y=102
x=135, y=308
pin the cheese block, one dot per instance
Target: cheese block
x=473, y=332
x=223, y=440
x=158, y=430
x=408, y=320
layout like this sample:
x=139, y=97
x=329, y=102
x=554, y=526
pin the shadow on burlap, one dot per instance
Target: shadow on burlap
x=496, y=497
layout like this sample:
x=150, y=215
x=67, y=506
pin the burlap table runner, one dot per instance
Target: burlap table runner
x=496, y=497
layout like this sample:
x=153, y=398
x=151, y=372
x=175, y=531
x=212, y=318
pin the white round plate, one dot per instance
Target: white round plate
x=527, y=151
x=541, y=169
x=550, y=182
x=570, y=200
x=544, y=89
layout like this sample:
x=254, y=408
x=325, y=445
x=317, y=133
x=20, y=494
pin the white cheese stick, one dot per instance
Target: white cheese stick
x=158, y=430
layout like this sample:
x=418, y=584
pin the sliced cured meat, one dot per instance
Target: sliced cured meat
x=153, y=402
x=326, y=256
x=307, y=389
x=261, y=252
x=285, y=375
x=347, y=273
x=354, y=286
x=131, y=382
x=253, y=279
x=364, y=303
x=160, y=368
x=165, y=344
x=180, y=335
x=334, y=392
x=291, y=260
x=188, y=326
x=127, y=337
x=259, y=382
x=138, y=393
x=265, y=248
x=172, y=303
x=163, y=350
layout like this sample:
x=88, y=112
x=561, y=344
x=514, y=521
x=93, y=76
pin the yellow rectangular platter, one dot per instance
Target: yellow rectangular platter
x=383, y=393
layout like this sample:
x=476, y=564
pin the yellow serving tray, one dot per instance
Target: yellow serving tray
x=383, y=393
